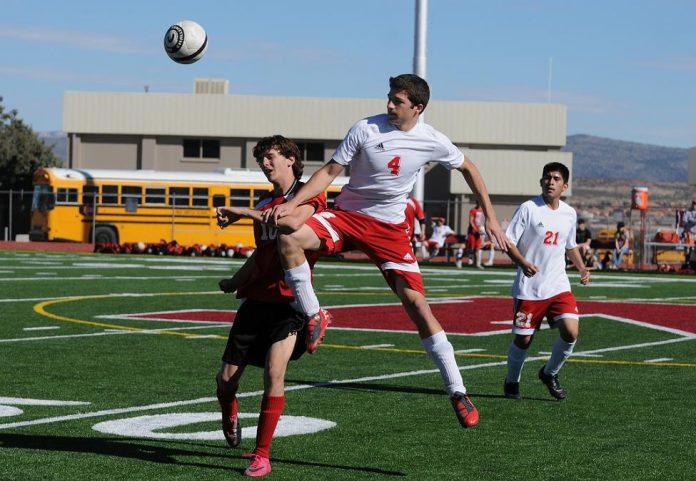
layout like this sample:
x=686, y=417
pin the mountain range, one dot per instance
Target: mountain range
x=593, y=157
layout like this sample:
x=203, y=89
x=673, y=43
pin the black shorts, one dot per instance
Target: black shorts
x=257, y=326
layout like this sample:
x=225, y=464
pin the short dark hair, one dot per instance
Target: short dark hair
x=557, y=167
x=284, y=146
x=416, y=88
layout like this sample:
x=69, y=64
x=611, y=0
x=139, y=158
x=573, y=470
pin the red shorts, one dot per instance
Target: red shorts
x=474, y=239
x=529, y=314
x=387, y=245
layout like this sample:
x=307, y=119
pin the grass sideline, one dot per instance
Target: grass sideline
x=629, y=415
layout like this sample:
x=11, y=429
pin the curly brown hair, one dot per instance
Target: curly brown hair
x=284, y=146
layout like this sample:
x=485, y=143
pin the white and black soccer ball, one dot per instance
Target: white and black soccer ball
x=185, y=42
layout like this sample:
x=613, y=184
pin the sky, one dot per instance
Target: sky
x=625, y=69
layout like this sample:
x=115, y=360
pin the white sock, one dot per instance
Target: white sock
x=491, y=256
x=441, y=352
x=515, y=363
x=478, y=257
x=299, y=279
x=560, y=352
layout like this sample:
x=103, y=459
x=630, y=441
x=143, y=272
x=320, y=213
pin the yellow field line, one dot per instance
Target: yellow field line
x=40, y=308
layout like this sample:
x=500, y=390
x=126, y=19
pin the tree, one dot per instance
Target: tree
x=21, y=152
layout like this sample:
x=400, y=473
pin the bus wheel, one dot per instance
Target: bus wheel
x=105, y=235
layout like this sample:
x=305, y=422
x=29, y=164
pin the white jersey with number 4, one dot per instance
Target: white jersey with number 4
x=542, y=236
x=384, y=163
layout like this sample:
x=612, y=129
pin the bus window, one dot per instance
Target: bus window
x=239, y=197
x=110, y=194
x=200, y=197
x=66, y=195
x=179, y=196
x=331, y=199
x=90, y=194
x=131, y=192
x=218, y=200
x=155, y=195
x=43, y=199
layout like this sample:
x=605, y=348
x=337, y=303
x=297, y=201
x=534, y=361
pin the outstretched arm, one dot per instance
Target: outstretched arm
x=475, y=181
x=287, y=224
x=317, y=183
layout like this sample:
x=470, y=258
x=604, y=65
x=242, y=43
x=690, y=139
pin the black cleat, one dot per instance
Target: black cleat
x=551, y=382
x=511, y=390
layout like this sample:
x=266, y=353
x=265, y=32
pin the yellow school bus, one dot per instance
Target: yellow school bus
x=103, y=205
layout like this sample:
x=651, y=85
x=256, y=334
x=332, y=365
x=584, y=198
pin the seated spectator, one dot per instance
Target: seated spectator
x=606, y=262
x=689, y=221
x=620, y=244
x=436, y=241
x=590, y=260
x=583, y=237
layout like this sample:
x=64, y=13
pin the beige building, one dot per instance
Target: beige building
x=209, y=129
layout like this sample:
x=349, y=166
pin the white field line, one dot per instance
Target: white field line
x=105, y=278
x=150, y=407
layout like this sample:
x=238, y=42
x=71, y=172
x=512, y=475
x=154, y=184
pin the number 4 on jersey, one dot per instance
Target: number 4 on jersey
x=394, y=165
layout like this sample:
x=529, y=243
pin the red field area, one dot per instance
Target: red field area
x=481, y=315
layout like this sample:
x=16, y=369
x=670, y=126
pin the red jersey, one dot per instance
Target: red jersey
x=267, y=281
x=414, y=212
x=476, y=219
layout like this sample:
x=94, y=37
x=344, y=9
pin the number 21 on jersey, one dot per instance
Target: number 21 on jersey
x=551, y=238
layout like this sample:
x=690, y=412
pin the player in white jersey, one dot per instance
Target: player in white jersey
x=437, y=238
x=541, y=233
x=385, y=153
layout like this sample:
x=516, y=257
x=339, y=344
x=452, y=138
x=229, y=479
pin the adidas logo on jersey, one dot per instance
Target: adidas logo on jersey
x=380, y=147
x=408, y=257
x=540, y=224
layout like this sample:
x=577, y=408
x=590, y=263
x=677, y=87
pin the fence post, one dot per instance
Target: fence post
x=10, y=217
x=94, y=218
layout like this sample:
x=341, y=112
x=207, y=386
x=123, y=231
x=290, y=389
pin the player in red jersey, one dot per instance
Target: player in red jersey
x=415, y=217
x=385, y=153
x=267, y=330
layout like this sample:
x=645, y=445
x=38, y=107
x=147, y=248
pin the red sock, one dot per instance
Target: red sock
x=271, y=409
x=227, y=400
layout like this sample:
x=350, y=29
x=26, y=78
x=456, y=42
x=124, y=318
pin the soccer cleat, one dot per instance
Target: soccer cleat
x=259, y=466
x=465, y=410
x=231, y=428
x=511, y=390
x=551, y=382
x=316, y=328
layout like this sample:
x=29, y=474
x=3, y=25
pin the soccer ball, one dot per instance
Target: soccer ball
x=185, y=42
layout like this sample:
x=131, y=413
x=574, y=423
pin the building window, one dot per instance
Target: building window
x=201, y=149
x=311, y=151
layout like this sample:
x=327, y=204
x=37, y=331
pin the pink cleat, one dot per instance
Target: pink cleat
x=316, y=328
x=259, y=466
